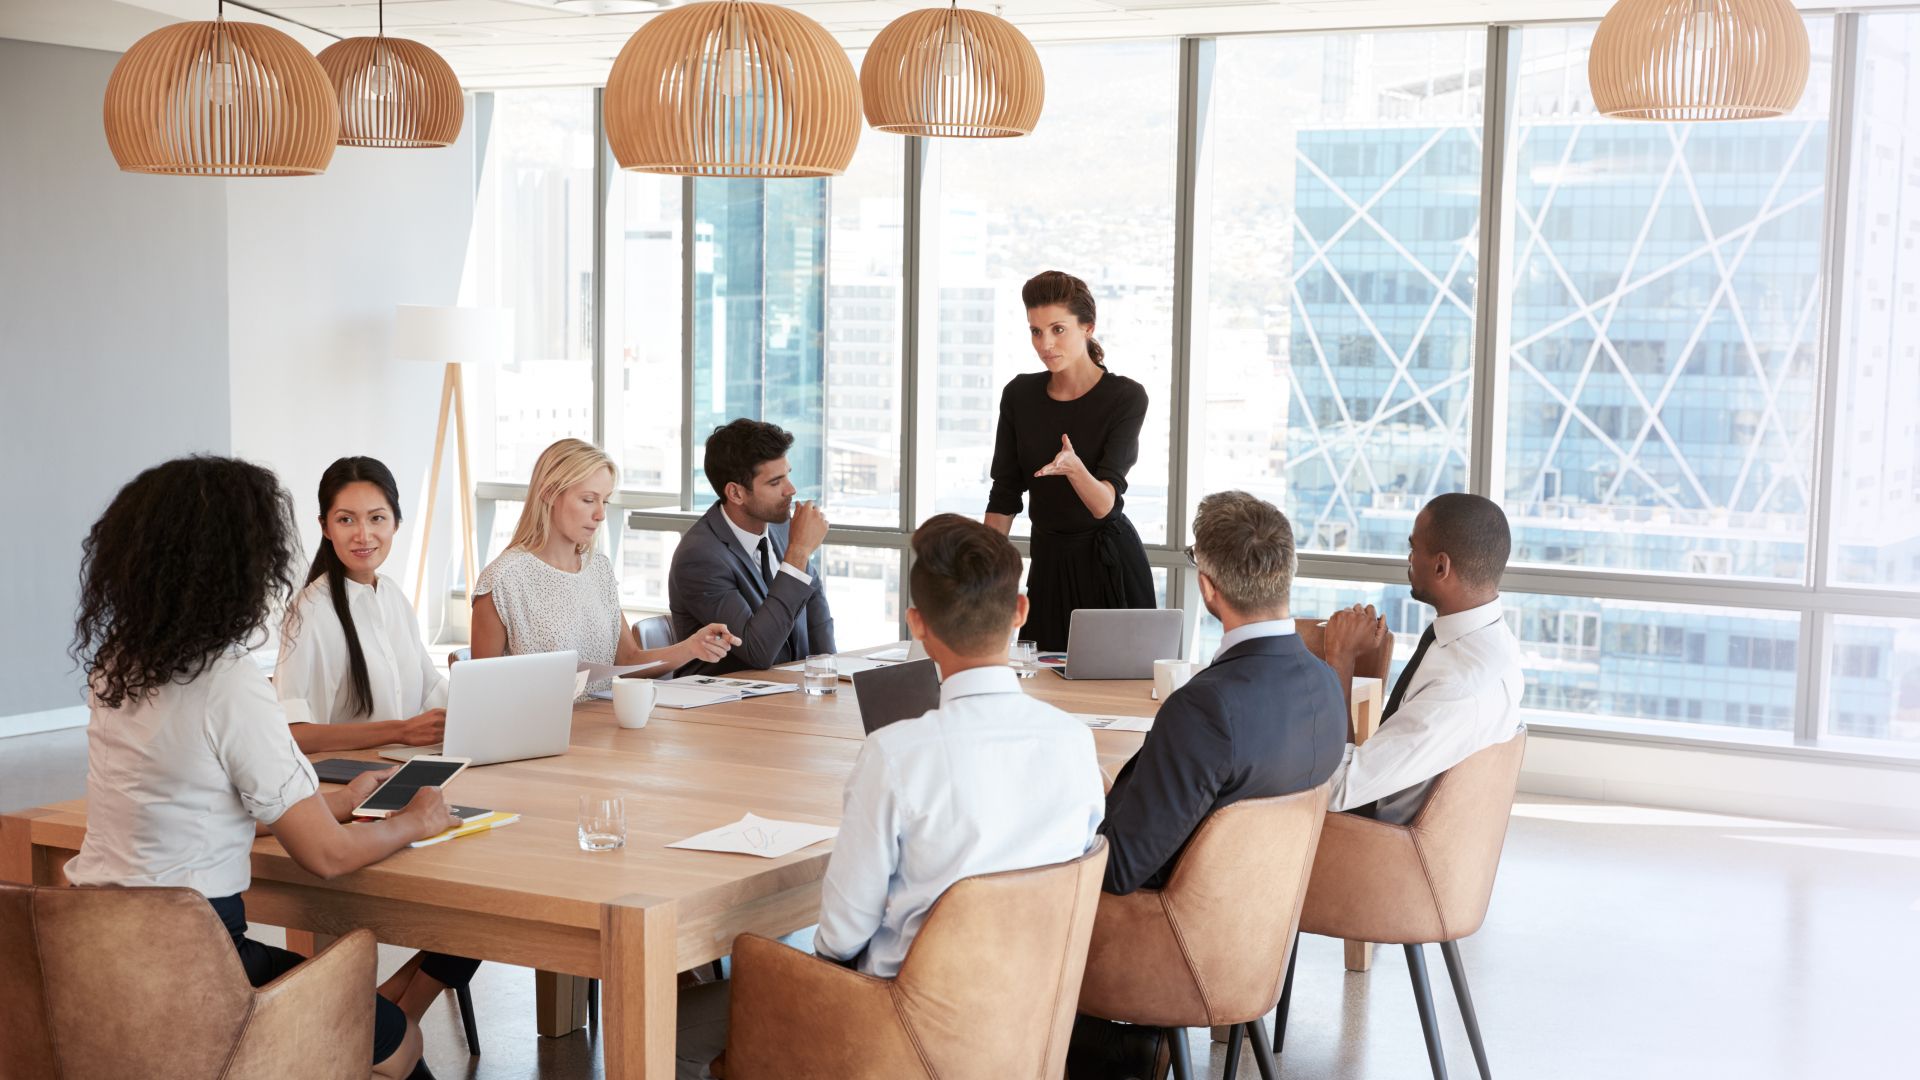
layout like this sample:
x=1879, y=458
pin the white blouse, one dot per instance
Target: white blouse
x=314, y=677
x=546, y=609
x=175, y=783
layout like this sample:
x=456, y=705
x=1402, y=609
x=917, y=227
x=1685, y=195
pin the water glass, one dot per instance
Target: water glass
x=603, y=822
x=820, y=676
x=1024, y=657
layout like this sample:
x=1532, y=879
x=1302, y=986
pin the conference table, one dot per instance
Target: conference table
x=633, y=918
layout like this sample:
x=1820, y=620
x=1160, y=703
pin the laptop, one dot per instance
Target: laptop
x=507, y=708
x=1121, y=643
x=896, y=692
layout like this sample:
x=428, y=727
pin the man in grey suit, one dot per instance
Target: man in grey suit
x=746, y=562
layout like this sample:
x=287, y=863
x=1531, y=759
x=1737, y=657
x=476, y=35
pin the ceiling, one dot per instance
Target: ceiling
x=497, y=43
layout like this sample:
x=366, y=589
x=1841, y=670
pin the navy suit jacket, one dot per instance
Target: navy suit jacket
x=714, y=580
x=1266, y=718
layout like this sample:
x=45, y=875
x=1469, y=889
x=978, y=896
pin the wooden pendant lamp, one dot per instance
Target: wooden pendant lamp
x=952, y=72
x=220, y=99
x=1699, y=60
x=393, y=93
x=733, y=88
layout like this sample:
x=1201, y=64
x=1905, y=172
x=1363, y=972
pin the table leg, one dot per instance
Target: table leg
x=1359, y=955
x=639, y=956
x=307, y=943
x=16, y=849
x=560, y=1003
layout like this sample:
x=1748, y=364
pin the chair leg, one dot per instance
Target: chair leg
x=464, y=998
x=1286, y=998
x=1262, y=1053
x=1423, y=1000
x=1233, y=1051
x=1178, y=1055
x=1457, y=971
x=593, y=1003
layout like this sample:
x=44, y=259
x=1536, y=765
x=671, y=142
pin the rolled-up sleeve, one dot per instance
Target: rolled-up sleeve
x=247, y=730
x=853, y=897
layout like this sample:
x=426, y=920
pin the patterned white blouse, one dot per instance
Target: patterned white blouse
x=546, y=609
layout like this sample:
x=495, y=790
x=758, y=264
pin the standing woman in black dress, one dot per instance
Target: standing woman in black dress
x=1068, y=435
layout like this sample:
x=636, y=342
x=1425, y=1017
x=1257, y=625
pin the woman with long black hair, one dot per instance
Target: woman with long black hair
x=350, y=651
x=352, y=663
x=1067, y=437
x=188, y=754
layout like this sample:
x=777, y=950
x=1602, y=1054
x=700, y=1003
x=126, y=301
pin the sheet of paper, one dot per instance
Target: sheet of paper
x=672, y=695
x=1116, y=723
x=755, y=835
x=895, y=655
x=741, y=687
x=847, y=664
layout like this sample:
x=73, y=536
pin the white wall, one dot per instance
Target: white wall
x=113, y=346
x=315, y=268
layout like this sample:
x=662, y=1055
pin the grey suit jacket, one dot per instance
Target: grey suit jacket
x=714, y=580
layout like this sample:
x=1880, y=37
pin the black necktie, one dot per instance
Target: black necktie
x=766, y=564
x=1406, y=674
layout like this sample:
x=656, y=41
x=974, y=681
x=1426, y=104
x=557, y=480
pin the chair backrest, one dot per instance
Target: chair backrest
x=117, y=982
x=1462, y=827
x=990, y=984
x=1235, y=895
x=1373, y=666
x=654, y=631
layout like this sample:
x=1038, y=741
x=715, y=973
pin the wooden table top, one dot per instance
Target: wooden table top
x=785, y=756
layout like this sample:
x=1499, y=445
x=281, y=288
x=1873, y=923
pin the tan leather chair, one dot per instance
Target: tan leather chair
x=1372, y=666
x=654, y=632
x=987, y=990
x=105, y=982
x=1427, y=880
x=1201, y=952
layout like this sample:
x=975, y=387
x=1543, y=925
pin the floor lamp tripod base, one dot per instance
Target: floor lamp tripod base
x=452, y=399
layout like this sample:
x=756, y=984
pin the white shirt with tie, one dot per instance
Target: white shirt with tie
x=1463, y=697
x=751, y=543
x=992, y=780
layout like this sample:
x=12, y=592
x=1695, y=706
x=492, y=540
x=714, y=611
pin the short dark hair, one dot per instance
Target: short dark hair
x=965, y=582
x=1245, y=545
x=187, y=562
x=737, y=449
x=1472, y=531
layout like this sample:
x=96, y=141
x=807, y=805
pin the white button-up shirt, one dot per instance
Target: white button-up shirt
x=751, y=542
x=1463, y=698
x=314, y=678
x=1252, y=630
x=175, y=783
x=992, y=780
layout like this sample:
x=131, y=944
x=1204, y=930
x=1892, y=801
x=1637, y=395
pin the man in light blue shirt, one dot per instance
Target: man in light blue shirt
x=992, y=780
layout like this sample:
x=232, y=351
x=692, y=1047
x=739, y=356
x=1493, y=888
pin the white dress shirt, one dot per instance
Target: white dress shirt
x=314, y=676
x=992, y=780
x=1252, y=630
x=1463, y=698
x=751, y=542
x=175, y=783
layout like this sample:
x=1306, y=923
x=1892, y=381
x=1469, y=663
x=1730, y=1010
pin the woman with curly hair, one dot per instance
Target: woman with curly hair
x=188, y=753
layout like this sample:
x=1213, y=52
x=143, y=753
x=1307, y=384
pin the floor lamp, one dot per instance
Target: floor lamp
x=451, y=336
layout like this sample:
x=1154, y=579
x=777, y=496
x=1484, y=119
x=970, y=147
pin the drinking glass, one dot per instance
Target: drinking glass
x=1025, y=658
x=603, y=821
x=820, y=676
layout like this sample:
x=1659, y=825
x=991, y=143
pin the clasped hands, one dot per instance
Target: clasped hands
x=1352, y=633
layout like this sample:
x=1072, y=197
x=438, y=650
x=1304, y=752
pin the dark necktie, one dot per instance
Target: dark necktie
x=766, y=564
x=1406, y=675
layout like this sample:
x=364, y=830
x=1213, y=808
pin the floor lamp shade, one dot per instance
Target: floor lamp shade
x=733, y=88
x=1699, y=60
x=952, y=72
x=220, y=99
x=393, y=93
x=452, y=335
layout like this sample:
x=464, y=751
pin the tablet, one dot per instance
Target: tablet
x=392, y=797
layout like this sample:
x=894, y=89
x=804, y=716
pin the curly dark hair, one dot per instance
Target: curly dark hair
x=188, y=561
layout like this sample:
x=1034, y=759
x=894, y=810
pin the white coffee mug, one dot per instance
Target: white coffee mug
x=633, y=701
x=1170, y=675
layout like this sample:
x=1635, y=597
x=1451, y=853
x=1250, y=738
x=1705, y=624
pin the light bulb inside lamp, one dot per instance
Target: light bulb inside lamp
x=1700, y=26
x=378, y=82
x=220, y=85
x=953, y=60
x=732, y=76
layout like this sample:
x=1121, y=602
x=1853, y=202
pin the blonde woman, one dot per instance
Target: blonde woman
x=550, y=590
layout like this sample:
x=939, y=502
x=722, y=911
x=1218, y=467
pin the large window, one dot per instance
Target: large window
x=532, y=252
x=1664, y=302
x=1089, y=192
x=1335, y=374
x=1691, y=376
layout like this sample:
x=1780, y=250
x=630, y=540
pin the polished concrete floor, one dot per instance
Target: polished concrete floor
x=1622, y=942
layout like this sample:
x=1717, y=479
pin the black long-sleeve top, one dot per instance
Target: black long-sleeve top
x=1104, y=424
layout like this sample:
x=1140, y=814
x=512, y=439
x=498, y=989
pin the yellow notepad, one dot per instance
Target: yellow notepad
x=492, y=820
